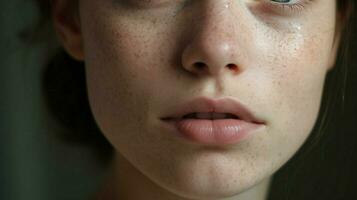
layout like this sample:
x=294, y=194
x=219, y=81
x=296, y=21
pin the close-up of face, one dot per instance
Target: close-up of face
x=150, y=63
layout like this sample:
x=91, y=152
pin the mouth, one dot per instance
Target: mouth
x=207, y=115
x=213, y=122
x=213, y=109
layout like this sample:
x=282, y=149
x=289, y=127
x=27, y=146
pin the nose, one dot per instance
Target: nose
x=213, y=49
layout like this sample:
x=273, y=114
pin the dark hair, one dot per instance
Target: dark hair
x=65, y=91
x=309, y=174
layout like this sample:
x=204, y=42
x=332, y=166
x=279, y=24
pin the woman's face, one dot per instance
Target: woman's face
x=140, y=66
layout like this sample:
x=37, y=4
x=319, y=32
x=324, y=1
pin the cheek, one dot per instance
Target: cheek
x=301, y=79
x=296, y=66
x=127, y=49
x=124, y=72
x=298, y=70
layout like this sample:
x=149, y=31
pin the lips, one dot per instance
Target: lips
x=216, y=108
x=213, y=121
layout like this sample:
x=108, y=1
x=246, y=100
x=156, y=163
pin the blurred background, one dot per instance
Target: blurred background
x=36, y=166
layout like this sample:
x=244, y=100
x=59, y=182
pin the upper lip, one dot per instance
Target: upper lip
x=221, y=105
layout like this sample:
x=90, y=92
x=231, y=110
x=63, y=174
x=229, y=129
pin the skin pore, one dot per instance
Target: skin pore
x=140, y=64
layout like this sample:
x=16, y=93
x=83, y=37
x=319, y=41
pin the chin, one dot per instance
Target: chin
x=210, y=190
x=211, y=177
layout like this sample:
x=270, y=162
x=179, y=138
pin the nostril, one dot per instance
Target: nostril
x=232, y=67
x=200, y=65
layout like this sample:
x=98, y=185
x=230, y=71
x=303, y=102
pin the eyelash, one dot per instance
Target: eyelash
x=293, y=7
x=285, y=8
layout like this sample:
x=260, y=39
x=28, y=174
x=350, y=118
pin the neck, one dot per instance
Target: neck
x=125, y=182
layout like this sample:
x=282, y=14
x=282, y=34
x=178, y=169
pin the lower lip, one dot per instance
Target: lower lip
x=215, y=132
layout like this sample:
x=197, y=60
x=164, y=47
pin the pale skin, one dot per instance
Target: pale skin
x=139, y=60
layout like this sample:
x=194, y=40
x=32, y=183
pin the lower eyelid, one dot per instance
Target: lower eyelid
x=280, y=9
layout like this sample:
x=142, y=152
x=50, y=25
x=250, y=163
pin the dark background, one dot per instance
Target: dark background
x=35, y=165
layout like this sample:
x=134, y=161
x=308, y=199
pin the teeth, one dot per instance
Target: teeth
x=212, y=115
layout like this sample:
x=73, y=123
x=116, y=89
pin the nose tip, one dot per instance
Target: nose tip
x=213, y=47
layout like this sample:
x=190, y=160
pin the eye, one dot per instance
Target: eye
x=285, y=1
x=290, y=5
